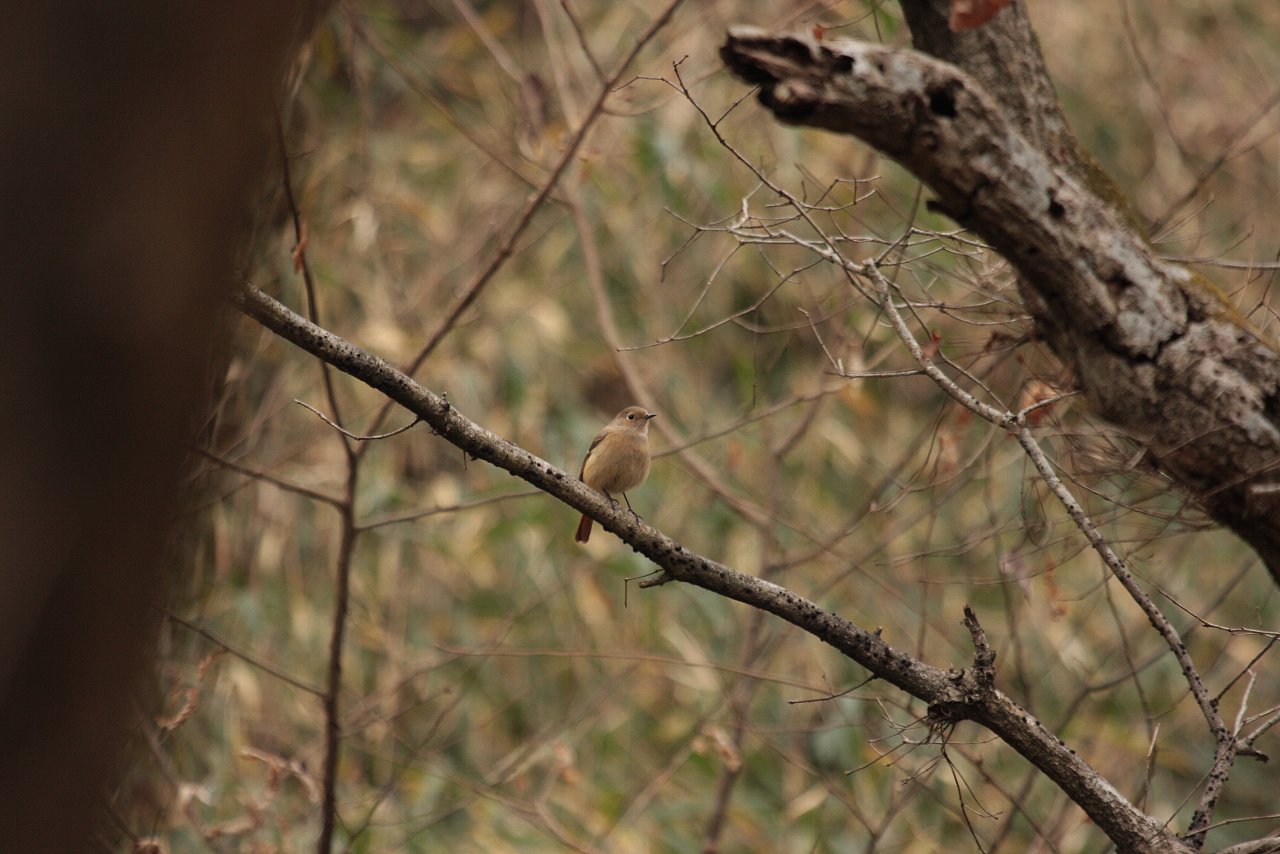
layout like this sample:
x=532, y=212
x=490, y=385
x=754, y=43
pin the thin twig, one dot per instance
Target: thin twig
x=506, y=248
x=348, y=433
x=248, y=658
x=274, y=480
x=300, y=258
x=333, y=682
x=582, y=39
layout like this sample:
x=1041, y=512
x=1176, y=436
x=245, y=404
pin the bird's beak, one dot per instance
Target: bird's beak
x=650, y=415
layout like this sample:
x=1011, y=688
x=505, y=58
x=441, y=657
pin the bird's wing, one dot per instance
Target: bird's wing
x=596, y=441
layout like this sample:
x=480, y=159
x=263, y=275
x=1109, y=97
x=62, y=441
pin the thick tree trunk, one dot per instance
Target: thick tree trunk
x=130, y=138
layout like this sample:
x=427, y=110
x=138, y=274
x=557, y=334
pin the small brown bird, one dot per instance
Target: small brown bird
x=617, y=460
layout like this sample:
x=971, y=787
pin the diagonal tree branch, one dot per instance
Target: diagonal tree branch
x=953, y=696
x=1155, y=348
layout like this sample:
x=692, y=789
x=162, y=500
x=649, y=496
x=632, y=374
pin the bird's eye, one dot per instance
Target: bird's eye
x=631, y=417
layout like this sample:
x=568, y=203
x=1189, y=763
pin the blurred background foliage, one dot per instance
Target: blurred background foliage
x=506, y=689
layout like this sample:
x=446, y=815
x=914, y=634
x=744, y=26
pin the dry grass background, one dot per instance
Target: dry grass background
x=503, y=689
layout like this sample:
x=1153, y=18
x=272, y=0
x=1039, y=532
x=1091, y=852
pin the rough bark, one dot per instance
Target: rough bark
x=1004, y=57
x=1154, y=348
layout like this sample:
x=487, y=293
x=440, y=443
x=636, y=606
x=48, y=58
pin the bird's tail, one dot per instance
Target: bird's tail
x=584, y=529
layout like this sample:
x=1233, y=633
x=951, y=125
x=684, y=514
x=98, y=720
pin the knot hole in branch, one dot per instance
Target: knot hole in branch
x=1056, y=210
x=942, y=99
